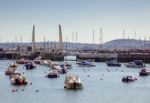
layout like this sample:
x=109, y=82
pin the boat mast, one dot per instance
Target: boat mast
x=12, y=51
x=135, y=35
x=101, y=38
x=93, y=39
x=44, y=44
x=72, y=40
x=66, y=51
x=76, y=41
x=54, y=50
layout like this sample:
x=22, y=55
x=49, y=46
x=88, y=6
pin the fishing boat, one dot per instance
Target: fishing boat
x=30, y=65
x=144, y=72
x=10, y=71
x=18, y=79
x=86, y=64
x=53, y=74
x=136, y=64
x=14, y=65
x=73, y=82
x=113, y=63
x=129, y=79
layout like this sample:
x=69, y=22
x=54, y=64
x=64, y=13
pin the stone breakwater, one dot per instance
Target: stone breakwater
x=121, y=57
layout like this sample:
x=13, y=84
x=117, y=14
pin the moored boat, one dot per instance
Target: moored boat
x=10, y=71
x=66, y=66
x=129, y=79
x=73, y=82
x=114, y=63
x=53, y=74
x=30, y=65
x=18, y=79
x=144, y=72
x=86, y=64
x=136, y=64
x=14, y=65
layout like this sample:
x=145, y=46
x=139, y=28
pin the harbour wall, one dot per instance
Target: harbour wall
x=17, y=56
x=121, y=57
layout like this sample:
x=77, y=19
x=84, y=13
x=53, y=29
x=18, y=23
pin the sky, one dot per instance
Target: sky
x=82, y=16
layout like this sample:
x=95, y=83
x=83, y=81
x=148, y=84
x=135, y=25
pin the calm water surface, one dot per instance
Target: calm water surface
x=100, y=87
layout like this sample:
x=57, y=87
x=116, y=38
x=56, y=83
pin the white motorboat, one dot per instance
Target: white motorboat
x=73, y=82
x=136, y=64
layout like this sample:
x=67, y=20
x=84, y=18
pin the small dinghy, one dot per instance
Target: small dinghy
x=144, y=72
x=129, y=79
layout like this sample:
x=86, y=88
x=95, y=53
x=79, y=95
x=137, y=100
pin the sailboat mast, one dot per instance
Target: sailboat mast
x=66, y=51
x=76, y=40
x=93, y=40
x=101, y=37
x=54, y=50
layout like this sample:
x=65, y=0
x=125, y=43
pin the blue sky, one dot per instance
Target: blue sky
x=18, y=16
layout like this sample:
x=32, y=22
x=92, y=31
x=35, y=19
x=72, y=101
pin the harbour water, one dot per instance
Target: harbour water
x=100, y=86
